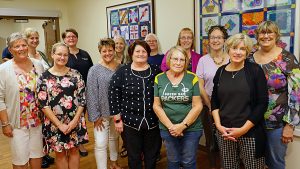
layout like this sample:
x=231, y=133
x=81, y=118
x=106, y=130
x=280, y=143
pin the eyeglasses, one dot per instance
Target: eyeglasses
x=69, y=37
x=216, y=37
x=186, y=38
x=180, y=60
x=151, y=41
x=266, y=33
x=62, y=55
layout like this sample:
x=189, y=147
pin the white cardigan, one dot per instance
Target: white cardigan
x=9, y=91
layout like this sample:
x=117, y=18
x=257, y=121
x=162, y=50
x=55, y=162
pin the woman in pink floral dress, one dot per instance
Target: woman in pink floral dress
x=61, y=96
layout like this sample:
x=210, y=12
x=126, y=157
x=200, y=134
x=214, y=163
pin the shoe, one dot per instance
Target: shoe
x=83, y=153
x=158, y=158
x=49, y=159
x=123, y=152
x=45, y=164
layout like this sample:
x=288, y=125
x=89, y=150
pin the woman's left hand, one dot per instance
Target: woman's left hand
x=177, y=129
x=72, y=125
x=287, y=134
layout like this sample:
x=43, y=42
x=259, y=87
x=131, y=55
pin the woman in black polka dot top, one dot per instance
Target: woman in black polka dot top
x=131, y=99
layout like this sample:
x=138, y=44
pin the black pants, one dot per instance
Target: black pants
x=146, y=142
x=207, y=122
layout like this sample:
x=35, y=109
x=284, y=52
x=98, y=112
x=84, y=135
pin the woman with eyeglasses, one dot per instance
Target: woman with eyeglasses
x=177, y=104
x=156, y=55
x=239, y=100
x=185, y=40
x=61, y=96
x=81, y=61
x=98, y=105
x=206, y=70
x=19, y=113
x=282, y=72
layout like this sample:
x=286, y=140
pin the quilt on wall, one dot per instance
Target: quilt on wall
x=244, y=16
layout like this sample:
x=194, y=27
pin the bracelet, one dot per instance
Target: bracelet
x=4, y=124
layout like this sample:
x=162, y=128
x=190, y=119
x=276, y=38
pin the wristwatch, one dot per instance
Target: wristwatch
x=185, y=123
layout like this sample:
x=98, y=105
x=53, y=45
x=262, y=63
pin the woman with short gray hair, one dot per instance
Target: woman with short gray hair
x=19, y=113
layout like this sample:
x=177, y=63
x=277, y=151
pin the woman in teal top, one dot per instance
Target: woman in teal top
x=177, y=104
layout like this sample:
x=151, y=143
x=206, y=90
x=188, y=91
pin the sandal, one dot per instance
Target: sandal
x=123, y=152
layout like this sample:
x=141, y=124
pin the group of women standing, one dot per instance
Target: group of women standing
x=248, y=100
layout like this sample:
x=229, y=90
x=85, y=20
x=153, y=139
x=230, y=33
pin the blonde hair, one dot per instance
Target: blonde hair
x=186, y=30
x=56, y=45
x=29, y=31
x=236, y=39
x=156, y=38
x=180, y=50
x=268, y=27
x=126, y=58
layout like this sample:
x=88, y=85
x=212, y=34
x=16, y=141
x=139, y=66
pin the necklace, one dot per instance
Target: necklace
x=218, y=63
x=234, y=74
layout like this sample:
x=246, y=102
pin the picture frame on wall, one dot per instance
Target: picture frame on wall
x=132, y=20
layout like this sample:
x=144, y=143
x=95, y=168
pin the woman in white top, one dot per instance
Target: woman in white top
x=33, y=41
x=19, y=113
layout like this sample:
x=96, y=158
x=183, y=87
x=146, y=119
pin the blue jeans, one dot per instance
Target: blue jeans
x=181, y=150
x=275, y=149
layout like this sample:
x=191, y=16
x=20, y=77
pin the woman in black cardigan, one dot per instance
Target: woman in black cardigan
x=239, y=100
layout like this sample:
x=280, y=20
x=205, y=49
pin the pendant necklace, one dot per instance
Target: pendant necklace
x=234, y=74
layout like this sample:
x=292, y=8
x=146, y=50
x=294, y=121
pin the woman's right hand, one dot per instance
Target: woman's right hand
x=63, y=128
x=224, y=133
x=7, y=131
x=98, y=124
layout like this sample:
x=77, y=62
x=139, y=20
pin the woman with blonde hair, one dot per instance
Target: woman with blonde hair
x=239, y=100
x=187, y=41
x=281, y=70
x=61, y=97
x=121, y=50
x=32, y=36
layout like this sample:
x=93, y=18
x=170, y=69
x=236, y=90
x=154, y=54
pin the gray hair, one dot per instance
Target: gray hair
x=158, y=43
x=15, y=37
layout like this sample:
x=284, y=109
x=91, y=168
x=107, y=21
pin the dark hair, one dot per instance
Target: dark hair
x=220, y=28
x=64, y=34
x=106, y=42
x=142, y=43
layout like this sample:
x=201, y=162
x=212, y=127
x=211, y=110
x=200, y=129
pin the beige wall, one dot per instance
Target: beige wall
x=9, y=26
x=89, y=18
x=92, y=25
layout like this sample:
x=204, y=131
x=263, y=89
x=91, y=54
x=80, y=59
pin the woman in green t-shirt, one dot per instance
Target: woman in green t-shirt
x=177, y=104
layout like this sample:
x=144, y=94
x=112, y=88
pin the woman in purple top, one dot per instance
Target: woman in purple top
x=185, y=40
x=206, y=70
